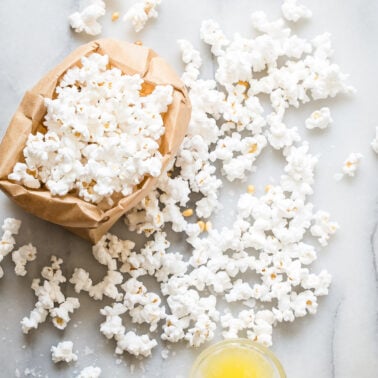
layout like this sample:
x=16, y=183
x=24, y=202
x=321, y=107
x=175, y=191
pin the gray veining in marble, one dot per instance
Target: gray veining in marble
x=341, y=340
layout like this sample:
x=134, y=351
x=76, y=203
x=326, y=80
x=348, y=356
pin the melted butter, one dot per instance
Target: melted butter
x=237, y=363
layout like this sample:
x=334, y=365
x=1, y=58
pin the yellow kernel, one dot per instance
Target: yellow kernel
x=251, y=189
x=147, y=9
x=267, y=188
x=115, y=16
x=308, y=303
x=252, y=148
x=59, y=321
x=244, y=83
x=201, y=225
x=348, y=164
x=273, y=276
x=187, y=213
x=208, y=226
x=139, y=43
x=316, y=115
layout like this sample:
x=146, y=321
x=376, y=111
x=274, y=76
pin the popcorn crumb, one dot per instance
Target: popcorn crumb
x=374, y=143
x=63, y=352
x=164, y=354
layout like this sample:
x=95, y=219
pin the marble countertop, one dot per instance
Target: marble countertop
x=341, y=340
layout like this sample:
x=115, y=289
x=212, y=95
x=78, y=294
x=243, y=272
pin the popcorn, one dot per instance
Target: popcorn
x=350, y=166
x=81, y=280
x=374, y=143
x=10, y=227
x=228, y=131
x=63, y=352
x=320, y=119
x=87, y=18
x=323, y=228
x=292, y=11
x=141, y=12
x=23, y=255
x=49, y=294
x=90, y=372
x=134, y=344
x=61, y=314
x=96, y=150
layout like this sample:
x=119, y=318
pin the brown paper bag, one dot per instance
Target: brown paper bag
x=83, y=218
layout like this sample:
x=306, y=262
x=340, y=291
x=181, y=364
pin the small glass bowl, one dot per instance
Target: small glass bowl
x=243, y=344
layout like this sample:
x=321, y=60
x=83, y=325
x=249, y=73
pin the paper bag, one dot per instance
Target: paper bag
x=85, y=219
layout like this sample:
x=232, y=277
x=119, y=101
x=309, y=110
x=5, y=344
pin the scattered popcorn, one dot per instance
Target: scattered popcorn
x=48, y=294
x=229, y=130
x=141, y=12
x=350, y=166
x=87, y=18
x=374, y=143
x=292, y=11
x=23, y=255
x=320, y=119
x=63, y=352
x=90, y=372
x=97, y=148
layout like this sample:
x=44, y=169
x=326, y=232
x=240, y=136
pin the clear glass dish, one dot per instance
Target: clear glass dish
x=200, y=368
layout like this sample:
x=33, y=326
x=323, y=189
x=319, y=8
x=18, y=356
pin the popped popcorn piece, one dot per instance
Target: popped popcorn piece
x=81, y=280
x=141, y=12
x=320, y=119
x=192, y=59
x=23, y=255
x=97, y=148
x=350, y=165
x=90, y=372
x=61, y=315
x=63, y=352
x=292, y=11
x=10, y=227
x=374, y=143
x=135, y=344
x=86, y=19
x=323, y=228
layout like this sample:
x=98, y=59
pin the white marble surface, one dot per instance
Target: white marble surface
x=341, y=340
